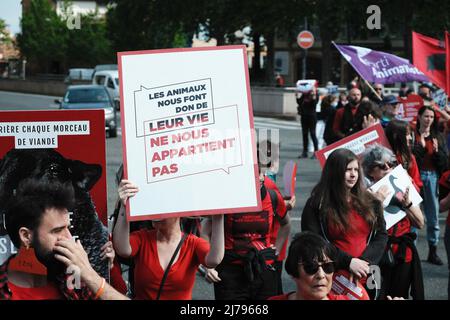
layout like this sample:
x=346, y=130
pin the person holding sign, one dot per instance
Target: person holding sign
x=431, y=154
x=38, y=217
x=306, y=108
x=401, y=269
x=343, y=212
x=399, y=135
x=166, y=259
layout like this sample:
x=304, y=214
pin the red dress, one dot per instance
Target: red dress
x=148, y=271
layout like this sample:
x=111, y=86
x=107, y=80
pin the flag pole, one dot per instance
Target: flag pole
x=372, y=89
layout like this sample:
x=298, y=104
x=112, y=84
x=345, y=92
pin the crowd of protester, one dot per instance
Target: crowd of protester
x=242, y=255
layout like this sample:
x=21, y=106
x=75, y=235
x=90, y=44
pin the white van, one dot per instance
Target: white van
x=109, y=79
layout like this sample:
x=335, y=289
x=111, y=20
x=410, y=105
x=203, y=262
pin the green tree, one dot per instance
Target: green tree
x=44, y=37
x=5, y=37
x=89, y=45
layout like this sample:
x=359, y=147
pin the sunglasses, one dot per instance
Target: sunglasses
x=312, y=267
x=385, y=166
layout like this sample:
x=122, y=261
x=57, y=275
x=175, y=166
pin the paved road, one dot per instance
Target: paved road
x=308, y=175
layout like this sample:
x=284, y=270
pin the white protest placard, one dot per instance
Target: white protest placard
x=397, y=181
x=188, y=135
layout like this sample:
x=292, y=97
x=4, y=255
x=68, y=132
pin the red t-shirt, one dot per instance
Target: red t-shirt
x=428, y=158
x=403, y=227
x=244, y=230
x=148, y=272
x=330, y=296
x=48, y=292
x=281, y=213
x=354, y=240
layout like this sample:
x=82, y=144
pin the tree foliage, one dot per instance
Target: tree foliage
x=46, y=38
x=5, y=37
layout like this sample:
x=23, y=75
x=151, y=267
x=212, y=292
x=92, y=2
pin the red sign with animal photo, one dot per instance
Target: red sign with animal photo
x=58, y=146
x=409, y=107
x=357, y=142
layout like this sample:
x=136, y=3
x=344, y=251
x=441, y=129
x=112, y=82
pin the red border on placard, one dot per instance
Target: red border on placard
x=258, y=206
x=320, y=155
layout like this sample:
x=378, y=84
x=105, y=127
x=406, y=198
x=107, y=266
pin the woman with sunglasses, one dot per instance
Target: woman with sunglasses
x=401, y=270
x=431, y=154
x=310, y=263
x=344, y=213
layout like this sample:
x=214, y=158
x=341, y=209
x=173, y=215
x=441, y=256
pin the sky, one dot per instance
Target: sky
x=11, y=11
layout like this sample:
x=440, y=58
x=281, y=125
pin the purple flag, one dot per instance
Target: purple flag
x=380, y=67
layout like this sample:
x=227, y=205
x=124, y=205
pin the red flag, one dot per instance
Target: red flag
x=429, y=57
x=447, y=60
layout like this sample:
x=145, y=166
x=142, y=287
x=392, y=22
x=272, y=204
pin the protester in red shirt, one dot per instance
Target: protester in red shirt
x=281, y=221
x=431, y=154
x=403, y=273
x=311, y=263
x=280, y=205
x=343, y=212
x=152, y=251
x=344, y=121
x=247, y=271
x=37, y=217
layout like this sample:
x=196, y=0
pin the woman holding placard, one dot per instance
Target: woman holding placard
x=399, y=135
x=166, y=259
x=343, y=212
x=400, y=266
x=431, y=155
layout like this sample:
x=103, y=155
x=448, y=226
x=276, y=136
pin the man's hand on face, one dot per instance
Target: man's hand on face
x=72, y=253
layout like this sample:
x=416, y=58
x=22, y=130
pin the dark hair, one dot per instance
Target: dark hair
x=330, y=194
x=307, y=247
x=365, y=108
x=396, y=131
x=32, y=198
x=434, y=129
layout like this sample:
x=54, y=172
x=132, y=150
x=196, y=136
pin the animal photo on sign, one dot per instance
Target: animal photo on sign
x=50, y=166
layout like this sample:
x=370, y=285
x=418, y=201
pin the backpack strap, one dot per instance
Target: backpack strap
x=274, y=200
x=166, y=272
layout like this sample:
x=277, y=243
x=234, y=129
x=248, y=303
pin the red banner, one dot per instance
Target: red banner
x=357, y=142
x=429, y=57
x=409, y=107
x=78, y=136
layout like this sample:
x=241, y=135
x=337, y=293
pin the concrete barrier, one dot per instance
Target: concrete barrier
x=49, y=88
x=274, y=102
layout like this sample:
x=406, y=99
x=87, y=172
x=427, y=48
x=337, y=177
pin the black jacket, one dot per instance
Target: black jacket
x=376, y=243
x=306, y=107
